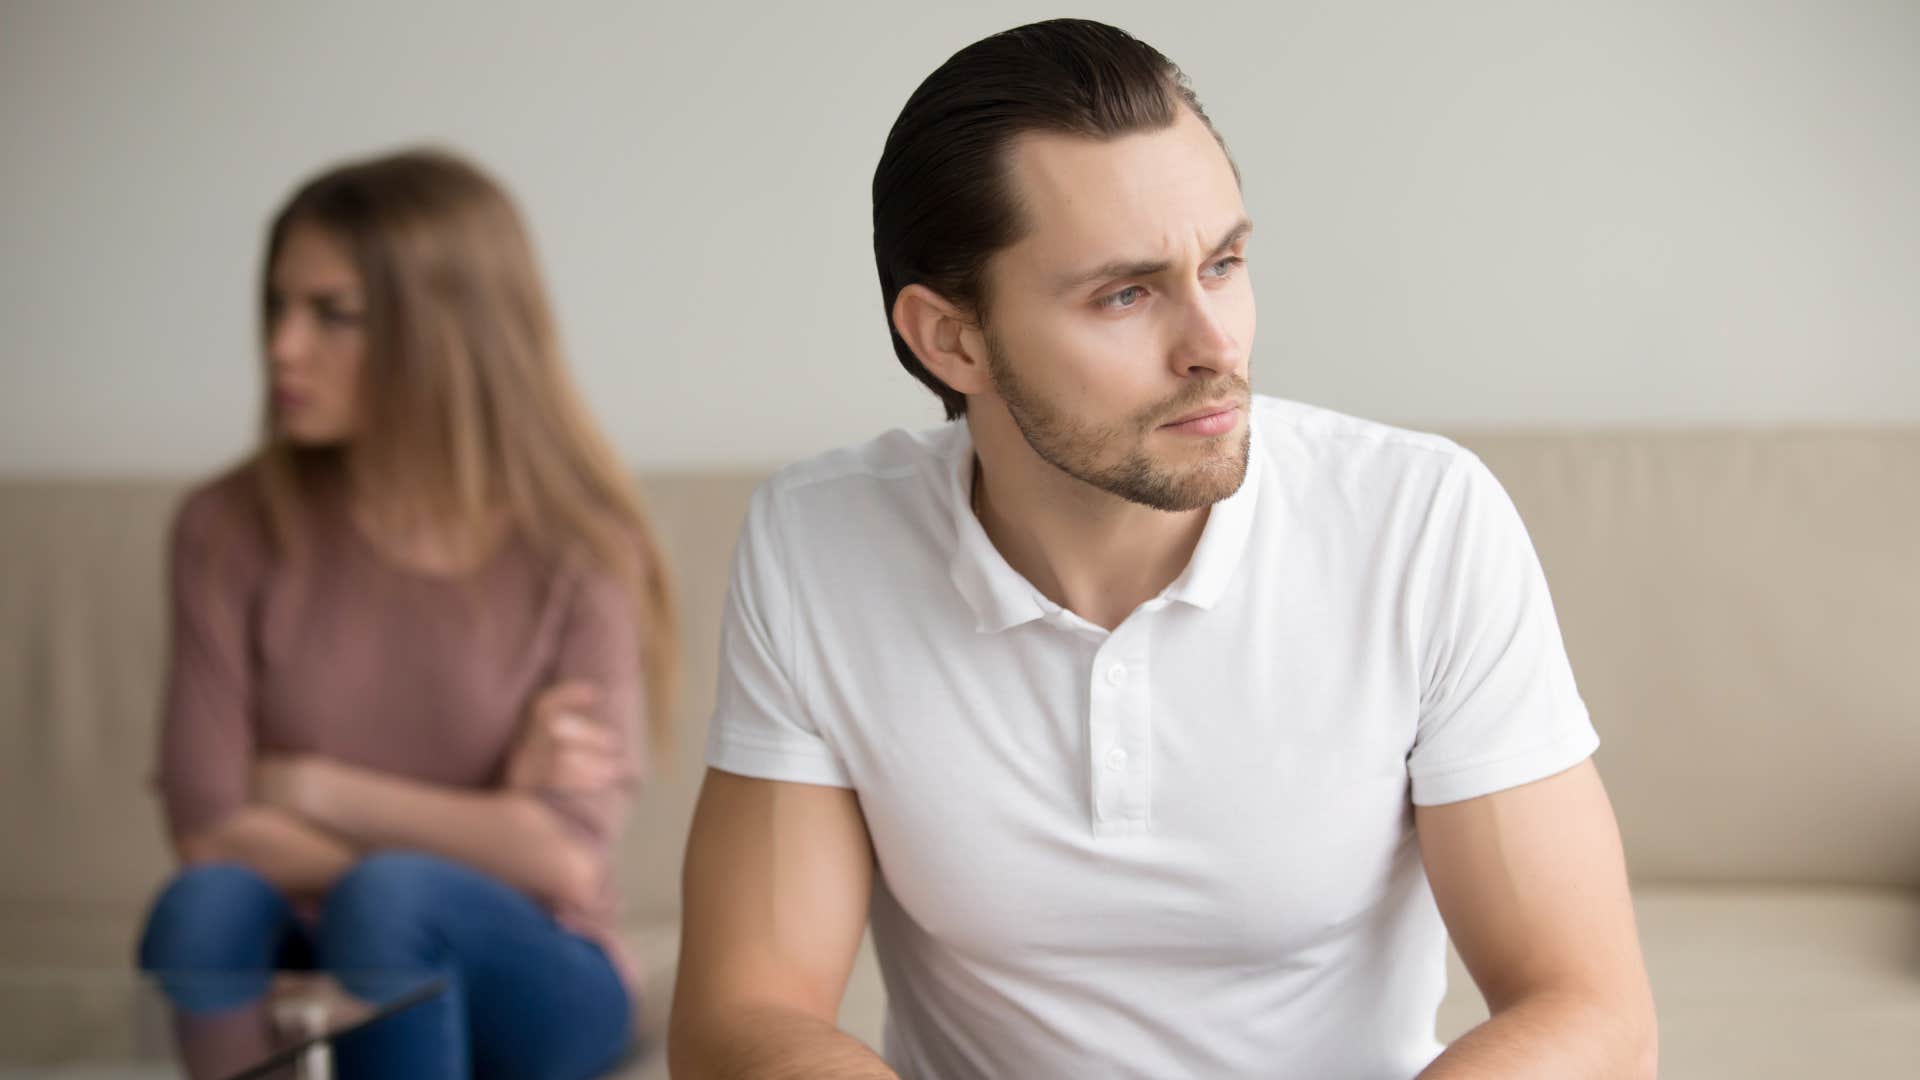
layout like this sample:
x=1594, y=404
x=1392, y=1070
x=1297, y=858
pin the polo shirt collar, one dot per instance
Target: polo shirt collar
x=1223, y=543
x=1002, y=599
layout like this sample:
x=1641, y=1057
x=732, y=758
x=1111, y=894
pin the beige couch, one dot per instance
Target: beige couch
x=1740, y=607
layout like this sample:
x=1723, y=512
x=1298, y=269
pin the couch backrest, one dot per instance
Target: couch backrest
x=1742, y=609
x=1743, y=614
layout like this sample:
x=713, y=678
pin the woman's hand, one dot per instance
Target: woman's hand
x=562, y=749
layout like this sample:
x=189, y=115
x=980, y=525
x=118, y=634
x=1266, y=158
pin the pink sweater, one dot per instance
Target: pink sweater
x=344, y=654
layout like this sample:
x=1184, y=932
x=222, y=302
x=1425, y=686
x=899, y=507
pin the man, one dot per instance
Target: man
x=1162, y=723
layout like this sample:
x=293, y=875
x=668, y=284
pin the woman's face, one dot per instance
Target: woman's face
x=316, y=339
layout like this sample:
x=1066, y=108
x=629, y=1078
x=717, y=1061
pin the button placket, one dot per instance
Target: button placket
x=1134, y=739
x=1119, y=738
x=1108, y=756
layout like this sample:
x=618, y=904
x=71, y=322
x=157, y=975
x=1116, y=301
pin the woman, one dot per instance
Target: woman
x=409, y=638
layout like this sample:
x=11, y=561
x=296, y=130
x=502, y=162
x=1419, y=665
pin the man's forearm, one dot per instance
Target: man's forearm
x=1553, y=1035
x=298, y=858
x=771, y=1043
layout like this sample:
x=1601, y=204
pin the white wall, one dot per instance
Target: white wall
x=1514, y=213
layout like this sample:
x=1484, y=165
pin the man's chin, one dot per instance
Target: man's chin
x=1211, y=487
x=1184, y=488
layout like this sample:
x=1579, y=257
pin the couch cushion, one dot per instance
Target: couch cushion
x=1764, y=983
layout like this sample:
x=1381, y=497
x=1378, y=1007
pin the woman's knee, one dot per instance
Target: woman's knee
x=220, y=916
x=382, y=911
x=388, y=883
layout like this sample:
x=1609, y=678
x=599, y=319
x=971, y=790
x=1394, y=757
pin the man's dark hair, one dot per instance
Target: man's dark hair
x=942, y=197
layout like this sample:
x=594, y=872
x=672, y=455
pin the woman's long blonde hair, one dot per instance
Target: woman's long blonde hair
x=469, y=414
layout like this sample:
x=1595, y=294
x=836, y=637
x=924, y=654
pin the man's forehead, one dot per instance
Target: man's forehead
x=1080, y=197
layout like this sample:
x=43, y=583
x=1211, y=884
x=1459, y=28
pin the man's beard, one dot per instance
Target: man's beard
x=1075, y=447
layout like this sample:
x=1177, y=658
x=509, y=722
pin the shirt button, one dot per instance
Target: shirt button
x=1116, y=759
x=1117, y=674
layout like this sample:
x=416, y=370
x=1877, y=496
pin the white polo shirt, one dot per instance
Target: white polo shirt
x=1184, y=848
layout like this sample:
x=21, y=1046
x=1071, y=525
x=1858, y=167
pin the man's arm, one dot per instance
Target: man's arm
x=1532, y=884
x=776, y=885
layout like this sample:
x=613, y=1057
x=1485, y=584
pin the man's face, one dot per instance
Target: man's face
x=1118, y=328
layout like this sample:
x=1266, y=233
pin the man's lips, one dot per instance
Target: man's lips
x=1207, y=420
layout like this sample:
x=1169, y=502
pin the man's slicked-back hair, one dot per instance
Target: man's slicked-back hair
x=942, y=196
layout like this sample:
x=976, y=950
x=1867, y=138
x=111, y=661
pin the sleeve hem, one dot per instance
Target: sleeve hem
x=788, y=763
x=185, y=814
x=1473, y=781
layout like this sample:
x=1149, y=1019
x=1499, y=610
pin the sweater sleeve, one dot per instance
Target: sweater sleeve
x=600, y=644
x=216, y=559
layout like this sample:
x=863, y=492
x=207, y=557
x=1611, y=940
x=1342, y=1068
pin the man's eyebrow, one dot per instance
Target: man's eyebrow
x=1128, y=268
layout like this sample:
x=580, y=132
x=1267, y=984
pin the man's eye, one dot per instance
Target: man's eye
x=1125, y=298
x=1225, y=267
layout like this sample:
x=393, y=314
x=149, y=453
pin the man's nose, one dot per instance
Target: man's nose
x=1205, y=345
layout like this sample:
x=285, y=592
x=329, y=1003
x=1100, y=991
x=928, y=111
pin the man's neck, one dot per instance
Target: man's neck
x=1092, y=552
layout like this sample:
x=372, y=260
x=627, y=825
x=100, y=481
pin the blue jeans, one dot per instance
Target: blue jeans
x=525, y=997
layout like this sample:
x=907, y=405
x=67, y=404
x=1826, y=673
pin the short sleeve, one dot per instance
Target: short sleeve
x=1499, y=706
x=216, y=559
x=761, y=727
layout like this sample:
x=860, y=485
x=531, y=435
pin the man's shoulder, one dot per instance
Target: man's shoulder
x=1302, y=441
x=1293, y=424
x=892, y=478
x=892, y=455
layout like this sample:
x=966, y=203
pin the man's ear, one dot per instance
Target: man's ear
x=944, y=337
